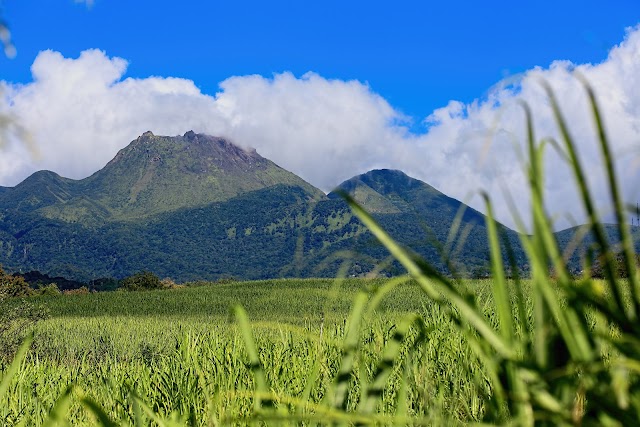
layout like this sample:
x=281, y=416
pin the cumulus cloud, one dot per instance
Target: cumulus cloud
x=458, y=132
x=81, y=111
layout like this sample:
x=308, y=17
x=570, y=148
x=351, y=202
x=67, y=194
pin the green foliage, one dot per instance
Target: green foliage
x=142, y=281
x=83, y=290
x=104, y=284
x=37, y=279
x=17, y=318
x=17, y=315
x=50, y=289
x=13, y=286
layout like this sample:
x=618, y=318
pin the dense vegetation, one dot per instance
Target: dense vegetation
x=285, y=229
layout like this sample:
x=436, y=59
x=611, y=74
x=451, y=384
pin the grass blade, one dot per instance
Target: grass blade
x=15, y=364
x=628, y=250
x=587, y=201
x=98, y=411
x=500, y=291
x=59, y=411
x=262, y=388
x=416, y=269
x=350, y=347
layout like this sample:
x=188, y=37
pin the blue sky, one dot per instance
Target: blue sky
x=327, y=89
x=416, y=54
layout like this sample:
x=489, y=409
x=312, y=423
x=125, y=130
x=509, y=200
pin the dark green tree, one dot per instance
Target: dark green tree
x=50, y=289
x=141, y=281
x=13, y=286
x=17, y=317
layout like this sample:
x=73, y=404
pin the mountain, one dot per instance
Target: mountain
x=392, y=192
x=199, y=207
x=42, y=189
x=422, y=218
x=153, y=174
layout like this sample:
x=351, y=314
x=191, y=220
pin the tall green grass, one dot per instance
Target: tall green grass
x=195, y=363
x=552, y=350
x=576, y=361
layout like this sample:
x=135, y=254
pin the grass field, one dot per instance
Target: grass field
x=181, y=352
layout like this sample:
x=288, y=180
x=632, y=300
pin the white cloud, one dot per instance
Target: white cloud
x=460, y=131
x=324, y=130
x=81, y=111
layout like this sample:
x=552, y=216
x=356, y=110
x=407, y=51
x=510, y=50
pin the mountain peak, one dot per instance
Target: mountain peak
x=198, y=153
x=372, y=189
x=388, y=191
x=385, y=181
x=41, y=189
x=156, y=174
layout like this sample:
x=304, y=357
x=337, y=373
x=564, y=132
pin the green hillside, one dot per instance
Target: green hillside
x=422, y=218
